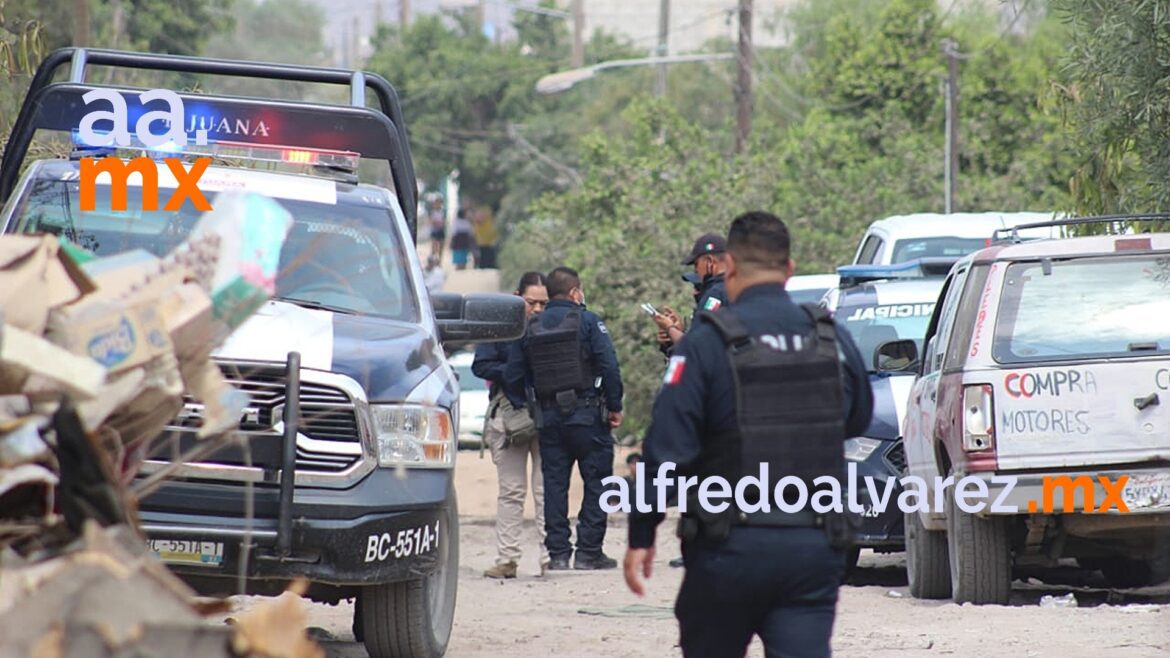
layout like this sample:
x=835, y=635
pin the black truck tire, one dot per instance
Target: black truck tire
x=413, y=619
x=928, y=563
x=980, y=554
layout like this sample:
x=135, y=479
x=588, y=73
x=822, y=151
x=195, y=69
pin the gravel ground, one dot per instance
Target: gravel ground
x=587, y=614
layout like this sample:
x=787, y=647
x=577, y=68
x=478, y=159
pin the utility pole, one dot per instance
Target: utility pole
x=578, y=10
x=951, y=149
x=81, y=23
x=743, y=82
x=403, y=14
x=357, y=43
x=663, y=35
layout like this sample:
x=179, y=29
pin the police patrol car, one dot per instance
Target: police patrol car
x=350, y=452
x=905, y=238
x=877, y=305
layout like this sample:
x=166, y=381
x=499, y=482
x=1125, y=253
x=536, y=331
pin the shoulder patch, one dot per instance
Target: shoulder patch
x=601, y=327
x=674, y=370
x=712, y=304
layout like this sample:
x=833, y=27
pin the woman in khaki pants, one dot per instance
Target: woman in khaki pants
x=512, y=460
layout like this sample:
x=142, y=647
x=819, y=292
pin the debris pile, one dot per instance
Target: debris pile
x=96, y=355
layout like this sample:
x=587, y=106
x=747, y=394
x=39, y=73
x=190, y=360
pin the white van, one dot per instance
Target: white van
x=903, y=238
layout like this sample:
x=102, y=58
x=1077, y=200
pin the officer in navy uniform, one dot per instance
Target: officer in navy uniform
x=762, y=380
x=708, y=257
x=567, y=364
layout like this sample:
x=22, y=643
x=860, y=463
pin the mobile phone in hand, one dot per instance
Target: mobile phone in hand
x=649, y=309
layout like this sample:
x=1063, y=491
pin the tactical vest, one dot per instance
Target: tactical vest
x=558, y=360
x=789, y=404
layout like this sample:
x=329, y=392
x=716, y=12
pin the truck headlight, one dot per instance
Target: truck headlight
x=413, y=435
x=859, y=448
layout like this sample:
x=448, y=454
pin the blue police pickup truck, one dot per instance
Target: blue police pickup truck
x=344, y=475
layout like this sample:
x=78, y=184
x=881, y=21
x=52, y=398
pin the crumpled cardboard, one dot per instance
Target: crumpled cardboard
x=21, y=443
x=115, y=334
x=109, y=597
x=36, y=276
x=30, y=364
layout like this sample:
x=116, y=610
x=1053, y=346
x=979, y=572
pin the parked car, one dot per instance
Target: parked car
x=1043, y=360
x=903, y=238
x=877, y=305
x=810, y=288
x=473, y=400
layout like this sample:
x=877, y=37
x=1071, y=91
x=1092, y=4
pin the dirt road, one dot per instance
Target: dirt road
x=590, y=614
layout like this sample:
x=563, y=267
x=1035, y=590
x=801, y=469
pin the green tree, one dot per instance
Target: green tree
x=850, y=130
x=1117, y=103
x=289, y=33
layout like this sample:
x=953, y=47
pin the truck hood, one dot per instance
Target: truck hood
x=388, y=358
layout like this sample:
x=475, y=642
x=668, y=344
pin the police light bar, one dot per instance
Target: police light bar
x=340, y=160
x=851, y=275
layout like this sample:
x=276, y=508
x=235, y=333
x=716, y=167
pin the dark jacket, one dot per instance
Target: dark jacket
x=593, y=335
x=489, y=363
x=711, y=295
x=697, y=400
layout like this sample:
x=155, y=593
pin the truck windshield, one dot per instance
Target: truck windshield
x=346, y=255
x=870, y=325
x=1087, y=307
x=948, y=247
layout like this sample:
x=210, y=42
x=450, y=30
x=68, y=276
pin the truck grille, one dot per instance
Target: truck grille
x=328, y=414
x=896, y=457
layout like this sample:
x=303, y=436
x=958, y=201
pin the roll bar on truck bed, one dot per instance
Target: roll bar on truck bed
x=376, y=134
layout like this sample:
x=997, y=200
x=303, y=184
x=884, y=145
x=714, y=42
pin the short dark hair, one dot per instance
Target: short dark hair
x=633, y=457
x=561, y=280
x=529, y=279
x=759, y=239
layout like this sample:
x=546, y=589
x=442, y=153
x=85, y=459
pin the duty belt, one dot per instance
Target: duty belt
x=805, y=518
x=580, y=403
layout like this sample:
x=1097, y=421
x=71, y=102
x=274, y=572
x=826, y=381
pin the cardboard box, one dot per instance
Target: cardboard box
x=116, y=335
x=28, y=361
x=115, y=276
x=35, y=277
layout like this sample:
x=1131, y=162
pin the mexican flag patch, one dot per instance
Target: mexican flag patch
x=712, y=304
x=674, y=370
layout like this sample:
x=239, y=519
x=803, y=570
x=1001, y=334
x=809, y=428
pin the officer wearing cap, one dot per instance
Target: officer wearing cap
x=567, y=364
x=760, y=381
x=708, y=259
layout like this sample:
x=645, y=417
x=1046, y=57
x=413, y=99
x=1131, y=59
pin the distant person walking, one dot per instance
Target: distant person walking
x=437, y=222
x=485, y=239
x=462, y=240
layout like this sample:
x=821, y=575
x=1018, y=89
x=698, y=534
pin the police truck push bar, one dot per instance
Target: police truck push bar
x=288, y=464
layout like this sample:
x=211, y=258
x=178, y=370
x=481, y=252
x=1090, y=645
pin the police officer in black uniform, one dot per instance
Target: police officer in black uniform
x=567, y=364
x=708, y=259
x=760, y=381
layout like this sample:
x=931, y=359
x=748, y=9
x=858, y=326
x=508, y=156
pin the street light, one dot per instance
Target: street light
x=555, y=83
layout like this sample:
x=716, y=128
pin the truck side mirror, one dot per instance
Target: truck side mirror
x=895, y=356
x=478, y=318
